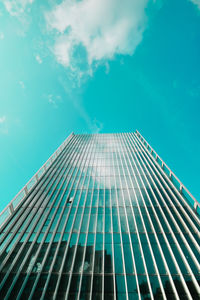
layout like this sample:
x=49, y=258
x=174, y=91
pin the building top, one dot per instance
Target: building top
x=166, y=171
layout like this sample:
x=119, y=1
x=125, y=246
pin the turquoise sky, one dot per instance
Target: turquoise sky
x=98, y=66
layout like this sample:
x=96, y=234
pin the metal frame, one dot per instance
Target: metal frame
x=78, y=234
x=163, y=165
x=149, y=244
x=33, y=196
x=41, y=225
x=10, y=208
x=135, y=166
x=176, y=242
x=53, y=235
x=120, y=232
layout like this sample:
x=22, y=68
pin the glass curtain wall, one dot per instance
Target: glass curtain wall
x=103, y=222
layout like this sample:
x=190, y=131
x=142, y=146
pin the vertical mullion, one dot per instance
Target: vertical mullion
x=120, y=232
x=169, y=247
x=137, y=236
x=40, y=184
x=168, y=183
x=92, y=276
x=182, y=235
x=112, y=232
x=59, y=180
x=81, y=167
x=157, y=218
x=152, y=206
x=149, y=244
x=18, y=224
x=168, y=179
x=52, y=265
x=74, y=256
x=31, y=231
x=174, y=197
x=46, y=232
x=131, y=246
x=39, y=181
x=104, y=186
x=87, y=230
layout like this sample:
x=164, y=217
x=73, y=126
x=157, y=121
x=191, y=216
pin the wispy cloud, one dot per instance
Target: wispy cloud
x=1, y=36
x=54, y=100
x=74, y=95
x=3, y=125
x=38, y=58
x=20, y=9
x=17, y=7
x=197, y=2
x=2, y=119
x=96, y=126
x=21, y=83
x=90, y=32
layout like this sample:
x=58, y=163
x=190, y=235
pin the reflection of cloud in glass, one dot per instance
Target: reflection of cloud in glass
x=102, y=171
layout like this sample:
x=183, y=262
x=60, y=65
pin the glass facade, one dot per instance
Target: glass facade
x=104, y=219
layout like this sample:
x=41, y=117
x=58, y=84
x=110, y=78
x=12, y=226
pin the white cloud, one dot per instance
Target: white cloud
x=197, y=2
x=54, y=100
x=16, y=7
x=38, y=58
x=89, y=32
x=22, y=84
x=3, y=125
x=2, y=119
x=1, y=36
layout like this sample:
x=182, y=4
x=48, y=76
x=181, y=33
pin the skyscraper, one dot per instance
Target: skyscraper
x=104, y=218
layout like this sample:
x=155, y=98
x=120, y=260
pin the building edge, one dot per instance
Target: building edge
x=7, y=212
x=21, y=195
x=183, y=191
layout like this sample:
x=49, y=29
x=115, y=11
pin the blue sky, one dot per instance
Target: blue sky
x=98, y=66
